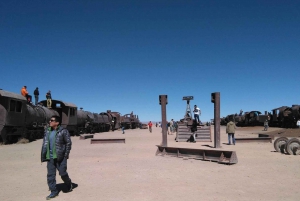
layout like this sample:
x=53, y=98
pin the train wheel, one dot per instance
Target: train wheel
x=292, y=147
x=280, y=142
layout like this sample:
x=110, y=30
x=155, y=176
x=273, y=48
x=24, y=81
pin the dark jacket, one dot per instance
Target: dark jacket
x=48, y=95
x=63, y=144
x=36, y=92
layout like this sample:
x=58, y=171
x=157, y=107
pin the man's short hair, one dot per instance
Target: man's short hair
x=57, y=118
x=195, y=105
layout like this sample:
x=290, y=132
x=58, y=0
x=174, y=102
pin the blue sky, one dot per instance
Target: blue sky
x=121, y=55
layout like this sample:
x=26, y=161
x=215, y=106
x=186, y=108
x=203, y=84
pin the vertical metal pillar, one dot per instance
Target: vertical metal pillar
x=163, y=102
x=215, y=98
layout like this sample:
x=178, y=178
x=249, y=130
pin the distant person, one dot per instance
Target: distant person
x=175, y=125
x=266, y=125
x=159, y=124
x=113, y=125
x=241, y=112
x=150, y=126
x=56, y=148
x=197, y=113
x=156, y=124
x=49, y=99
x=230, y=129
x=298, y=123
x=168, y=125
x=193, y=137
x=25, y=93
x=171, y=123
x=36, y=95
x=123, y=128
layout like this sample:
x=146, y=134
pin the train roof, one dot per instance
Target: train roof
x=61, y=102
x=11, y=95
x=282, y=107
x=65, y=103
x=255, y=111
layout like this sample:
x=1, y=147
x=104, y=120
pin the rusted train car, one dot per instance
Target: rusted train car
x=284, y=117
x=130, y=121
x=19, y=118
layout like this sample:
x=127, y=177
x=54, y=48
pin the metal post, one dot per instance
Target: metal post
x=215, y=98
x=163, y=102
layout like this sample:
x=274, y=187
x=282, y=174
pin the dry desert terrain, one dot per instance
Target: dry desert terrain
x=131, y=172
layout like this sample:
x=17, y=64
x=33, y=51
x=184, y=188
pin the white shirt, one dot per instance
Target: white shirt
x=298, y=122
x=197, y=111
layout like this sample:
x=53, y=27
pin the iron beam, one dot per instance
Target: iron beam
x=163, y=102
x=220, y=156
x=102, y=141
x=249, y=140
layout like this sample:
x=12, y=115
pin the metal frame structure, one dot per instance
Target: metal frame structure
x=220, y=156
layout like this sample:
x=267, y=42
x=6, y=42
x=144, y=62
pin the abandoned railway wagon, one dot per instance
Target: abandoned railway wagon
x=20, y=118
x=130, y=121
x=284, y=117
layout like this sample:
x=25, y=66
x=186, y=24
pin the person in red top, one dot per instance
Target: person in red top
x=150, y=126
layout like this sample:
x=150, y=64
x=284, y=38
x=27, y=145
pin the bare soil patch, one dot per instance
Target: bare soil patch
x=130, y=171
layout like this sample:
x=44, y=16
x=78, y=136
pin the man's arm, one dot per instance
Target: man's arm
x=68, y=142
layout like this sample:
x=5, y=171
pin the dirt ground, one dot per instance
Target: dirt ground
x=131, y=172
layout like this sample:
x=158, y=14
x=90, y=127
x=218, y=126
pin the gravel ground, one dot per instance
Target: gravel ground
x=130, y=171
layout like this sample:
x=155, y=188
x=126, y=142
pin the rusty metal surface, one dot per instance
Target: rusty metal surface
x=220, y=156
x=279, y=142
x=163, y=103
x=103, y=141
x=12, y=95
x=249, y=140
x=83, y=137
x=292, y=146
x=217, y=141
x=184, y=132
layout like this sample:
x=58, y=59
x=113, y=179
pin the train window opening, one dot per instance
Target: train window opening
x=72, y=111
x=12, y=106
x=19, y=106
x=57, y=105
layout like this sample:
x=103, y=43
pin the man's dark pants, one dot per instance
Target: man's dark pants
x=196, y=116
x=36, y=97
x=61, y=166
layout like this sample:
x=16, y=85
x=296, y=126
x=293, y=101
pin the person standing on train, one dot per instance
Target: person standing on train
x=36, y=95
x=49, y=99
x=24, y=93
x=56, y=148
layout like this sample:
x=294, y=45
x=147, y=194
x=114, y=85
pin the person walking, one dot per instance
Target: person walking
x=197, y=113
x=266, y=125
x=49, y=99
x=230, y=129
x=36, y=95
x=56, y=148
x=171, y=126
x=150, y=126
x=298, y=123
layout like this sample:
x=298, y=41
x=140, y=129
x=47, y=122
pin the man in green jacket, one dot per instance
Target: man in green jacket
x=55, y=150
x=230, y=129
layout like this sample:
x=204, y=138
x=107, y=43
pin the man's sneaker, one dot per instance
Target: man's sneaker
x=52, y=195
